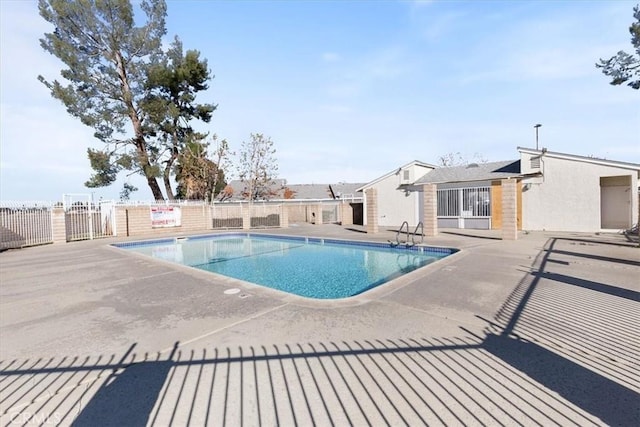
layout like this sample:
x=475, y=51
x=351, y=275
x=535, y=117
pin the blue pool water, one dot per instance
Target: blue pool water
x=309, y=267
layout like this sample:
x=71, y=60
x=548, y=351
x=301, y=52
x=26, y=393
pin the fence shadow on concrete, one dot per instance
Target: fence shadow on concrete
x=577, y=337
x=499, y=380
x=562, y=350
x=392, y=381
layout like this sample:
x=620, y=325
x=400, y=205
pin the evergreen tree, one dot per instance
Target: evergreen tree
x=625, y=67
x=172, y=85
x=137, y=98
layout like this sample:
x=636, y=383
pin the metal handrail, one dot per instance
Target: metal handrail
x=421, y=227
x=400, y=231
x=409, y=234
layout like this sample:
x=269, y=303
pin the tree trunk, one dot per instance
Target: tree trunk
x=155, y=188
x=139, y=141
x=215, y=182
x=166, y=176
x=143, y=158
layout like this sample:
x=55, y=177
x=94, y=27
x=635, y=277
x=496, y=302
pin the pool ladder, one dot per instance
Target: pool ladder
x=413, y=235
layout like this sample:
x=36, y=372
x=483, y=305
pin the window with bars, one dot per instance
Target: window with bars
x=448, y=202
x=464, y=202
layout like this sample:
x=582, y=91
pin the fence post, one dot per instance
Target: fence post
x=284, y=216
x=246, y=216
x=346, y=213
x=372, y=210
x=90, y=218
x=209, y=219
x=58, y=225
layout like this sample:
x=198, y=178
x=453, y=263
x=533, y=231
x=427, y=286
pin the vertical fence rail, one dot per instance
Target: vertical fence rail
x=25, y=224
x=87, y=220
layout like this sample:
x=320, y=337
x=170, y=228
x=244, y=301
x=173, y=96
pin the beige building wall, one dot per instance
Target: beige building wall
x=395, y=205
x=567, y=197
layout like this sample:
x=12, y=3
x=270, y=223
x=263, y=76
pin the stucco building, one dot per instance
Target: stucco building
x=555, y=192
x=397, y=200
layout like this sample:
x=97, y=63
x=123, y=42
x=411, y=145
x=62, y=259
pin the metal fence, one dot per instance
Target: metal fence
x=231, y=215
x=265, y=215
x=86, y=220
x=25, y=224
x=32, y=223
x=330, y=214
x=226, y=216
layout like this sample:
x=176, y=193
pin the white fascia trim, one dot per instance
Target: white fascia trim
x=602, y=162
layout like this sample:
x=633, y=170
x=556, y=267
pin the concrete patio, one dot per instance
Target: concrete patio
x=538, y=331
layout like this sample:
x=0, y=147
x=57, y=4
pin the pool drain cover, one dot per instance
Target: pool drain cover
x=232, y=291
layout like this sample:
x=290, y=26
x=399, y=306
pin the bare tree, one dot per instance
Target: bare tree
x=457, y=159
x=257, y=166
x=222, y=158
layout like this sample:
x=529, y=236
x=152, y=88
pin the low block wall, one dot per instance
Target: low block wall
x=22, y=224
x=136, y=220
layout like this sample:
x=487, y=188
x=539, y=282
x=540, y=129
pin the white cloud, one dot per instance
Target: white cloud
x=543, y=47
x=331, y=57
x=435, y=28
x=21, y=56
x=362, y=73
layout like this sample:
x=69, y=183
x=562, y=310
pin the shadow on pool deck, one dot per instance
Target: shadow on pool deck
x=562, y=349
x=395, y=380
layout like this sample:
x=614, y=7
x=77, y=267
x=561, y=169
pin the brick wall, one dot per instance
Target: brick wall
x=372, y=210
x=136, y=220
x=509, y=209
x=430, y=212
x=346, y=213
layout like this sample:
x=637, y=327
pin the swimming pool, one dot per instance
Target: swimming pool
x=304, y=266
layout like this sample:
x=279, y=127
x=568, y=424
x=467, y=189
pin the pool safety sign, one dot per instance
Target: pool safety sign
x=165, y=216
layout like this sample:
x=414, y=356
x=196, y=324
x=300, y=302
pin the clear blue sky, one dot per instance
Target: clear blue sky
x=351, y=90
